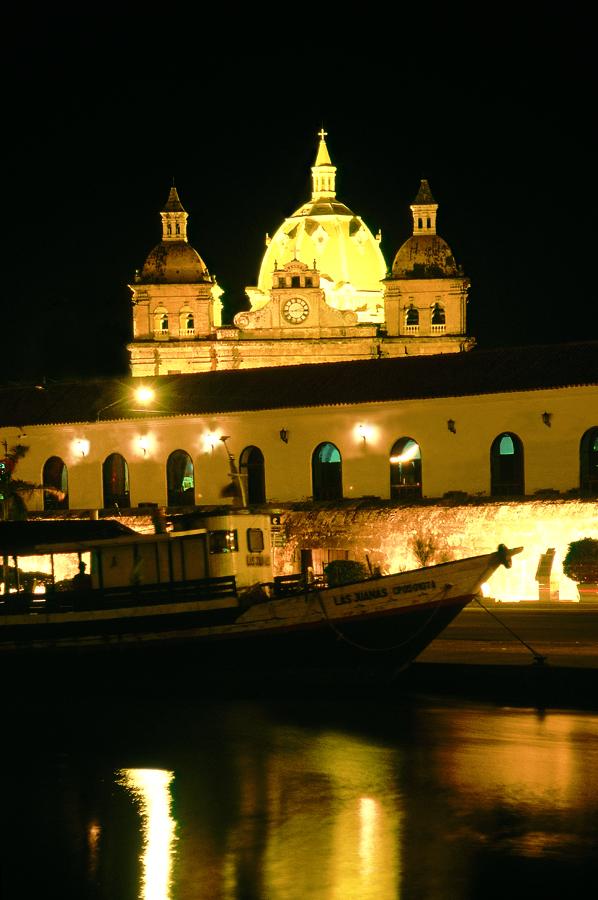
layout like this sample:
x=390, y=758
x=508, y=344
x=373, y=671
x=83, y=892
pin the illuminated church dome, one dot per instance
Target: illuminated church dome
x=173, y=260
x=424, y=254
x=326, y=233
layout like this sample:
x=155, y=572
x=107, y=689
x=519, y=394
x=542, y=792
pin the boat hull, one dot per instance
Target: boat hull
x=374, y=627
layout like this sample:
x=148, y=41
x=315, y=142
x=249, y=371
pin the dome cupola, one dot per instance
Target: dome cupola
x=173, y=260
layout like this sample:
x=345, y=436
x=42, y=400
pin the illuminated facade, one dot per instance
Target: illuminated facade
x=474, y=449
x=323, y=294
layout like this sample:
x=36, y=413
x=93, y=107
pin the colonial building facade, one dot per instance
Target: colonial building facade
x=324, y=293
x=503, y=440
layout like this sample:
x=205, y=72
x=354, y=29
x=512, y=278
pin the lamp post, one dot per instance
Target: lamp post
x=234, y=473
x=143, y=395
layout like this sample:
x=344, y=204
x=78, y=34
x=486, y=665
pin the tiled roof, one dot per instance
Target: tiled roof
x=321, y=384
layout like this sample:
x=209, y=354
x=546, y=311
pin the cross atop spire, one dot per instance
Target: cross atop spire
x=323, y=172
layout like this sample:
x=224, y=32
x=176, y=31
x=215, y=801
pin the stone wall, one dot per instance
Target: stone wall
x=386, y=535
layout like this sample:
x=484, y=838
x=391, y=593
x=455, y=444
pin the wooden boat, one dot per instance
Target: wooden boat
x=207, y=595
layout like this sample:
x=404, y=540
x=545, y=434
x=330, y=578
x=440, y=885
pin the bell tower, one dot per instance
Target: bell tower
x=425, y=295
x=176, y=302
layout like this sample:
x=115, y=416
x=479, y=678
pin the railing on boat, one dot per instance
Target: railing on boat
x=118, y=597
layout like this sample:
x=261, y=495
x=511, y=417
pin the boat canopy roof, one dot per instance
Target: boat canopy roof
x=21, y=538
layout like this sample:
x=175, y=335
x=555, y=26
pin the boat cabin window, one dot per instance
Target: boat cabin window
x=223, y=541
x=255, y=540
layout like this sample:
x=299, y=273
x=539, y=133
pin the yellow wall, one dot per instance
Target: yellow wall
x=450, y=462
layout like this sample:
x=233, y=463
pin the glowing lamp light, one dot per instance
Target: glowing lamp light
x=144, y=395
x=365, y=433
x=210, y=439
x=80, y=447
x=144, y=443
x=407, y=455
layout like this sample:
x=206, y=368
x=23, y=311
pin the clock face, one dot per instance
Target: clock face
x=295, y=310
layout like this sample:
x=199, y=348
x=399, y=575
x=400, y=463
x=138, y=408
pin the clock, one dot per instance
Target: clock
x=295, y=310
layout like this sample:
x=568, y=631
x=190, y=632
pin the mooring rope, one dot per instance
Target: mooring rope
x=539, y=660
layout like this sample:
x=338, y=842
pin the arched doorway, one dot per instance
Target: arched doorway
x=588, y=463
x=115, y=480
x=327, y=472
x=55, y=476
x=506, y=466
x=180, y=479
x=252, y=470
x=405, y=470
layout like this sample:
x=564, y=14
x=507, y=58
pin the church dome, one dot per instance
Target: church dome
x=325, y=233
x=173, y=262
x=424, y=256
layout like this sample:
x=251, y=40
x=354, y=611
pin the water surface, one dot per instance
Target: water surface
x=410, y=798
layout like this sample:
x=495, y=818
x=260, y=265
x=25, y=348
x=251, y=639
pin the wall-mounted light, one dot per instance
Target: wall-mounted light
x=80, y=447
x=284, y=435
x=210, y=439
x=363, y=433
x=547, y=419
x=143, y=443
x=452, y=427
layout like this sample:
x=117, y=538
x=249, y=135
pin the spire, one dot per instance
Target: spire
x=174, y=218
x=424, y=209
x=323, y=173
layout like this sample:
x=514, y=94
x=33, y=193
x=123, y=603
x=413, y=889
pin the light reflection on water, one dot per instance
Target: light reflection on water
x=429, y=800
x=150, y=790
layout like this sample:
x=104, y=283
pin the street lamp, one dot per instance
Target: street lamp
x=143, y=394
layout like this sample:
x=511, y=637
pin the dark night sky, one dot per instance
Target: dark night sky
x=100, y=114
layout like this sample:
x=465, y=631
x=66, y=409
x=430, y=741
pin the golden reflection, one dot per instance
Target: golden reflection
x=335, y=820
x=151, y=790
x=534, y=763
x=368, y=815
x=94, y=833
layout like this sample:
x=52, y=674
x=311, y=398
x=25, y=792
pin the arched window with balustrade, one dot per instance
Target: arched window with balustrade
x=55, y=477
x=252, y=470
x=438, y=319
x=506, y=466
x=588, y=463
x=411, y=320
x=180, y=479
x=327, y=472
x=115, y=481
x=405, y=470
x=161, y=321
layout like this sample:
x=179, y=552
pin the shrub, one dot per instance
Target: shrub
x=581, y=561
x=344, y=571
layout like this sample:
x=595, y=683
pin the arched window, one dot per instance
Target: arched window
x=177, y=228
x=588, y=463
x=327, y=472
x=180, y=479
x=55, y=476
x=438, y=316
x=161, y=320
x=251, y=469
x=411, y=317
x=506, y=466
x=115, y=479
x=405, y=470
x=186, y=323
x=420, y=223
